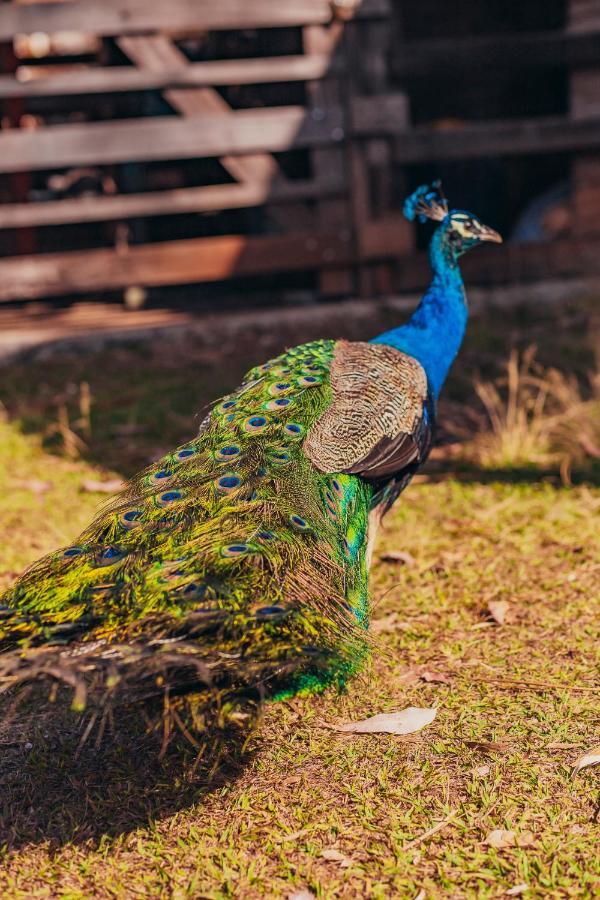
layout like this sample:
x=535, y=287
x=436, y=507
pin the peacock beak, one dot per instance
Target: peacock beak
x=488, y=234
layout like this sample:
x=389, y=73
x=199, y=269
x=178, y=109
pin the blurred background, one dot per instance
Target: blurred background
x=258, y=153
x=188, y=187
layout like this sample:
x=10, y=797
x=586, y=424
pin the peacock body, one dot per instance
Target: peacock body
x=237, y=565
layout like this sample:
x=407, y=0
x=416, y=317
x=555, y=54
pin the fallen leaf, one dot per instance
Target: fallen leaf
x=500, y=839
x=481, y=771
x=405, y=722
x=302, y=895
x=101, y=487
x=500, y=611
x=421, y=895
x=562, y=745
x=590, y=758
x=35, y=485
x=332, y=855
x=488, y=746
x=402, y=557
x=517, y=890
x=435, y=677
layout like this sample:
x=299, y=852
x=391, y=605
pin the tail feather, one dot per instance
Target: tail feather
x=229, y=570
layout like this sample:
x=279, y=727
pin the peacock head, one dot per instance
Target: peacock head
x=459, y=231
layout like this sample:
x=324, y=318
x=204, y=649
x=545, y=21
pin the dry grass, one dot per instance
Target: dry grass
x=534, y=416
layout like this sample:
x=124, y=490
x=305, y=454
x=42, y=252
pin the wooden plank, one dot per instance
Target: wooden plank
x=175, y=262
x=155, y=52
x=163, y=203
x=523, y=51
x=495, y=138
x=512, y=263
x=129, y=78
x=114, y=17
x=168, y=137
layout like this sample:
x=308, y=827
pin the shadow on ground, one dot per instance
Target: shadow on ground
x=129, y=404
x=54, y=791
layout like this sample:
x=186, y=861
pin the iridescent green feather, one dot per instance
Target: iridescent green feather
x=231, y=565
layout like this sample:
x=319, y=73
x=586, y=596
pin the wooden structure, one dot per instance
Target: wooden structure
x=153, y=144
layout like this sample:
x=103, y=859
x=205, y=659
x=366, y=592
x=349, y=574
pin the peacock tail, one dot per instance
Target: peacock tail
x=231, y=563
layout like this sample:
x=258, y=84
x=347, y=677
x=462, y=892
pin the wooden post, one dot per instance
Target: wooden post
x=584, y=84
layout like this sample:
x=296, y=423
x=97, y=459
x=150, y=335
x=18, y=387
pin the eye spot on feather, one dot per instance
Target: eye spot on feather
x=236, y=551
x=293, y=429
x=160, y=477
x=271, y=612
x=109, y=556
x=130, y=518
x=230, y=451
x=195, y=590
x=228, y=483
x=227, y=406
x=280, y=403
x=279, y=457
x=73, y=551
x=169, y=497
x=307, y=381
x=298, y=523
x=337, y=488
x=185, y=453
x=280, y=370
x=280, y=387
x=255, y=424
x=265, y=535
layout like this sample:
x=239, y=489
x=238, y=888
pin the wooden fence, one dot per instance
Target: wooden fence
x=134, y=142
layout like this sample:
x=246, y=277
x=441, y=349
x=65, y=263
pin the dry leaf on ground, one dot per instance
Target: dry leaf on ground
x=101, y=487
x=481, y=771
x=302, y=895
x=517, y=890
x=488, y=746
x=590, y=758
x=405, y=722
x=500, y=839
x=333, y=855
x=402, y=557
x=435, y=677
x=501, y=611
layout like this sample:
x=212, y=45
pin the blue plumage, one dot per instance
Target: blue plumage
x=435, y=332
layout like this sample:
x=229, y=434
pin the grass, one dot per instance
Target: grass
x=517, y=705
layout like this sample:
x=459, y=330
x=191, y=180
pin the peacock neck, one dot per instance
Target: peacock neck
x=435, y=331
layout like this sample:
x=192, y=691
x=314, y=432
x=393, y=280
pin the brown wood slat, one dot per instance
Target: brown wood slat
x=494, y=138
x=175, y=262
x=156, y=52
x=163, y=203
x=523, y=51
x=128, y=78
x=114, y=17
x=168, y=137
x=512, y=263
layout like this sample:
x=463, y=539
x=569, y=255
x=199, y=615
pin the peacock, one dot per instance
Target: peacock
x=236, y=567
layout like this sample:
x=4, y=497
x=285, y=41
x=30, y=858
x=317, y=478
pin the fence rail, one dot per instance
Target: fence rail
x=172, y=143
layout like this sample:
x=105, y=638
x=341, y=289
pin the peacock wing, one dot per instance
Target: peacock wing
x=379, y=419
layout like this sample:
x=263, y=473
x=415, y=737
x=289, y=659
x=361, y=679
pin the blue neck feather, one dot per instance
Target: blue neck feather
x=435, y=331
